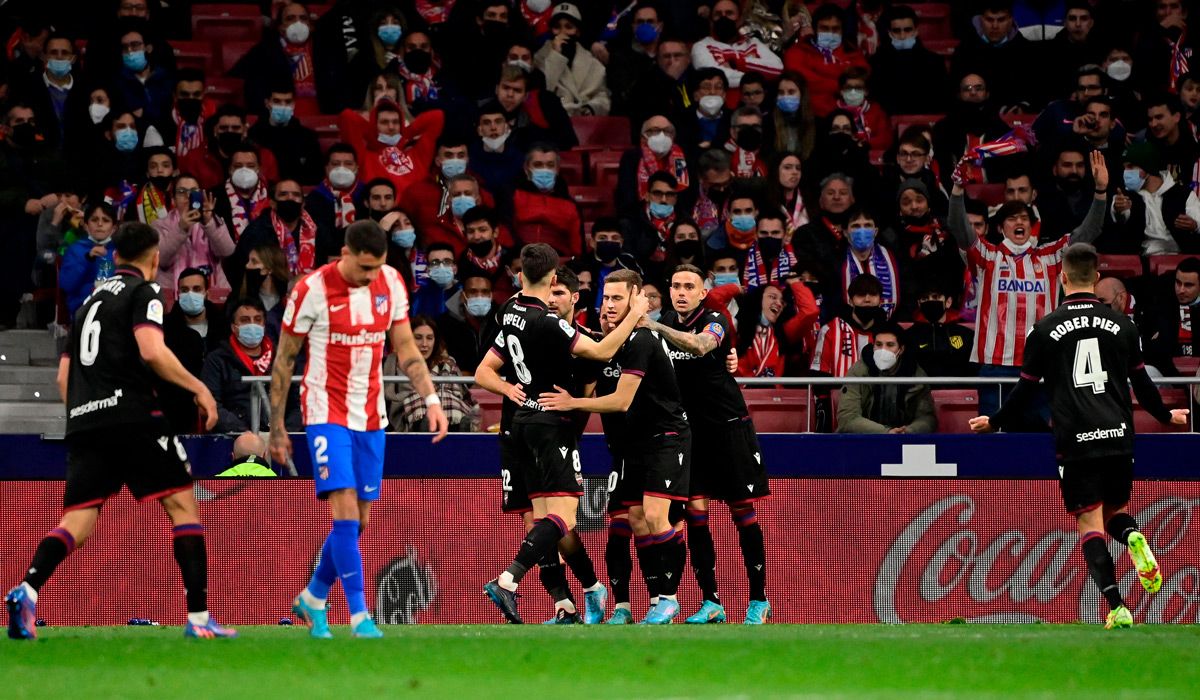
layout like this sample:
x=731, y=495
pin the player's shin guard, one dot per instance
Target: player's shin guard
x=1120, y=527
x=704, y=553
x=347, y=559
x=192, y=558
x=617, y=559
x=650, y=562
x=576, y=557
x=673, y=553
x=554, y=578
x=1100, y=566
x=754, y=554
x=540, y=540
x=54, y=547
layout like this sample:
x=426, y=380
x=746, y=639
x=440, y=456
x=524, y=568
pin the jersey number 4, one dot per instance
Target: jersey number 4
x=1088, y=370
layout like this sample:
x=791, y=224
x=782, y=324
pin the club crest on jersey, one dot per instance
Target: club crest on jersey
x=381, y=304
x=956, y=342
x=154, y=311
x=324, y=472
x=716, y=329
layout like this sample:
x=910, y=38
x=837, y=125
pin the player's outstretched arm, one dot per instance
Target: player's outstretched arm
x=604, y=350
x=413, y=366
x=281, y=383
x=1149, y=397
x=163, y=362
x=616, y=402
x=698, y=344
x=487, y=376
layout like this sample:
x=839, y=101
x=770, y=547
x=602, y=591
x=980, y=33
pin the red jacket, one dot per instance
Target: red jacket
x=822, y=77
x=426, y=203
x=878, y=127
x=540, y=217
x=790, y=354
x=203, y=165
x=408, y=162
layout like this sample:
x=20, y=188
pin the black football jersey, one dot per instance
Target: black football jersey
x=107, y=383
x=657, y=406
x=1085, y=351
x=536, y=344
x=710, y=393
x=614, y=423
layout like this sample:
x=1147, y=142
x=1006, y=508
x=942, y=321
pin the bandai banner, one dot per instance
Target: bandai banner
x=838, y=550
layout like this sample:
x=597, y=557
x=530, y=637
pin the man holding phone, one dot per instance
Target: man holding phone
x=192, y=237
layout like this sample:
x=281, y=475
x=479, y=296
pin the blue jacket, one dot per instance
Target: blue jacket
x=77, y=278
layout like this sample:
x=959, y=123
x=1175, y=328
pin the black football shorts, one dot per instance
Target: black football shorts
x=1102, y=481
x=727, y=464
x=146, y=457
x=549, y=459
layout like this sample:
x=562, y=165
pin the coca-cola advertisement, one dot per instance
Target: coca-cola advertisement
x=838, y=550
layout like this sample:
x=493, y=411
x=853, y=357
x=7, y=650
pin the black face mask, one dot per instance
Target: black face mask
x=254, y=280
x=1070, y=184
x=725, y=30
x=815, y=288
x=493, y=29
x=376, y=216
x=161, y=182
x=770, y=247
x=932, y=310
x=586, y=297
x=24, y=135
x=228, y=141
x=288, y=209
x=568, y=49
x=910, y=221
x=869, y=315
x=687, y=249
x=189, y=109
x=418, y=61
x=750, y=138
x=607, y=251
x=480, y=249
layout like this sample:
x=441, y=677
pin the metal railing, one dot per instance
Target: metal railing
x=260, y=383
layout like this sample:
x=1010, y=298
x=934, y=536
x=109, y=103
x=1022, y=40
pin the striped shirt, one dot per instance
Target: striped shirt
x=346, y=329
x=1015, y=291
x=839, y=345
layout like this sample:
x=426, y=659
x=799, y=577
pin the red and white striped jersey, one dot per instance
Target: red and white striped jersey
x=839, y=345
x=346, y=328
x=1014, y=291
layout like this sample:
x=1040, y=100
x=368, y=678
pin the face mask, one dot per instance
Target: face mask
x=904, y=44
x=516, y=279
x=645, y=33
x=58, y=67
x=282, y=114
x=418, y=61
x=655, y=314
x=710, y=105
x=389, y=34
x=494, y=29
x=723, y=278
x=660, y=144
x=254, y=279
x=25, y=135
x=228, y=141
x=788, y=104
x=453, y=167
x=377, y=216
x=135, y=61
x=161, y=182
x=743, y=222
x=607, y=251
x=862, y=238
x=543, y=179
x=661, y=210
x=725, y=30
x=192, y=303
x=480, y=249
x=749, y=138
x=342, y=177
x=98, y=112
x=251, y=334
x=1018, y=249
x=538, y=6
x=568, y=49
x=462, y=204
x=869, y=315
x=496, y=144
x=404, y=237
x=770, y=247
x=189, y=109
x=126, y=139
x=479, y=306
x=288, y=209
x=297, y=32
x=441, y=275
x=244, y=178
x=1133, y=180
x=763, y=320
x=389, y=139
x=854, y=97
x=687, y=249
x=1120, y=70
x=521, y=64
x=829, y=40
x=885, y=359
x=932, y=309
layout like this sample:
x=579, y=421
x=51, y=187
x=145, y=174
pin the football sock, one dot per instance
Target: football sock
x=347, y=558
x=554, y=577
x=1121, y=526
x=1100, y=566
x=617, y=559
x=704, y=554
x=323, y=576
x=192, y=559
x=673, y=552
x=754, y=554
x=54, y=547
x=542, y=538
x=650, y=562
x=576, y=557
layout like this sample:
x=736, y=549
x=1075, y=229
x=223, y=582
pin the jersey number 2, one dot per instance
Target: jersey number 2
x=1088, y=371
x=89, y=338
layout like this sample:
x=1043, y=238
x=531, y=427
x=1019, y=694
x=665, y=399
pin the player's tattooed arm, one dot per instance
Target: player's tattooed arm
x=281, y=383
x=415, y=368
x=698, y=344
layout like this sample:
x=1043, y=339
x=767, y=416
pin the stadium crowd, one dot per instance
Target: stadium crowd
x=872, y=188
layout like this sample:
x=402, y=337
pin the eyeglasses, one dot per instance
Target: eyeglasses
x=134, y=46
x=656, y=130
x=440, y=263
x=665, y=194
x=186, y=191
x=910, y=155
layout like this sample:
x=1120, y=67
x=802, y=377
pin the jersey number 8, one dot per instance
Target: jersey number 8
x=1088, y=370
x=89, y=338
x=518, y=359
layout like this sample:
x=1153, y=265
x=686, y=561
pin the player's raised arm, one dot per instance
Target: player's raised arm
x=604, y=350
x=414, y=367
x=281, y=382
x=617, y=402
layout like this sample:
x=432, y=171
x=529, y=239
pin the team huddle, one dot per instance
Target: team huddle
x=674, y=420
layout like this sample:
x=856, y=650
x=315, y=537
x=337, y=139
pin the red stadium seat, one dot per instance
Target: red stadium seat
x=1187, y=366
x=778, y=410
x=901, y=122
x=990, y=194
x=571, y=167
x=604, y=167
x=1166, y=263
x=229, y=23
x=942, y=47
x=1019, y=118
x=593, y=201
x=326, y=126
x=1120, y=266
x=195, y=54
x=232, y=52
x=954, y=408
x=489, y=407
x=1173, y=397
x=876, y=157
x=597, y=133
x=223, y=90
x=933, y=20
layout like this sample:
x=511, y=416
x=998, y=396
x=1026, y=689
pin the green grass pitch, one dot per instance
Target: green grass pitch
x=533, y=661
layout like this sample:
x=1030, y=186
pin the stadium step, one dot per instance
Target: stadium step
x=39, y=346
x=39, y=393
x=15, y=374
x=35, y=417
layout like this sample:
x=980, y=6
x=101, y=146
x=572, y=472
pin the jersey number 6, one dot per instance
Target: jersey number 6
x=89, y=338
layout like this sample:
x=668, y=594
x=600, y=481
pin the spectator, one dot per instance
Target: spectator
x=26, y=47
x=542, y=209
x=726, y=48
x=941, y=346
x=647, y=224
x=192, y=236
x=283, y=57
x=104, y=55
x=404, y=252
x=266, y=279
x=745, y=144
x=285, y=224
x=1176, y=143
x=685, y=246
x=790, y=127
x=143, y=84
x=1169, y=330
x=753, y=92
x=534, y=116
x=52, y=93
x=906, y=77
x=484, y=253
x=250, y=459
x=970, y=122
x=489, y=33
x=822, y=57
x=824, y=238
x=58, y=227
x=438, y=202
x=770, y=259
x=495, y=157
x=912, y=161
x=418, y=69
x=841, y=340
x=711, y=211
x=1128, y=108
x=210, y=164
x=657, y=150
x=865, y=254
x=1160, y=43
x=633, y=59
x=923, y=247
x=442, y=284
x=739, y=232
x=887, y=408
x=575, y=76
x=406, y=408
x=88, y=261
x=154, y=198
x=184, y=127
x=1056, y=124
x=708, y=125
x=783, y=192
x=244, y=194
x=295, y=146
x=608, y=253
x=377, y=52
x=1100, y=131
x=1078, y=44
x=1004, y=58
x=1152, y=208
x=247, y=353
x=1064, y=200
x=871, y=124
x=771, y=342
x=388, y=149
x=839, y=150
x=665, y=89
x=192, y=329
x=337, y=201
x=464, y=325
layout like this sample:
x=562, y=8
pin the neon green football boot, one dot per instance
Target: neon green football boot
x=1147, y=565
x=1121, y=617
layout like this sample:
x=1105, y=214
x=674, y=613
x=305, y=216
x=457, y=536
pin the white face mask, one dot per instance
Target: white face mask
x=885, y=359
x=244, y=178
x=521, y=64
x=660, y=144
x=496, y=144
x=1018, y=249
x=341, y=177
x=1120, y=70
x=711, y=105
x=297, y=32
x=538, y=6
x=97, y=112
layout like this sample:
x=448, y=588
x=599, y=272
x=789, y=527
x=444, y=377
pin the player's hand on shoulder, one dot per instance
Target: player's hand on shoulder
x=981, y=424
x=557, y=400
x=515, y=394
x=1179, y=416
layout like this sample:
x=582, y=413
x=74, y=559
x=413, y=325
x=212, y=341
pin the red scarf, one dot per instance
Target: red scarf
x=257, y=366
x=663, y=228
x=302, y=70
x=300, y=259
x=539, y=22
x=344, y=212
x=151, y=204
x=834, y=230
x=674, y=163
x=862, y=131
x=489, y=263
x=435, y=14
x=417, y=86
x=188, y=137
x=241, y=210
x=924, y=240
x=764, y=350
x=745, y=163
x=797, y=214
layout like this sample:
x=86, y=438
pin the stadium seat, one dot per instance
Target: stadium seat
x=598, y=133
x=933, y=20
x=223, y=90
x=901, y=122
x=593, y=201
x=326, y=127
x=955, y=407
x=1187, y=366
x=876, y=157
x=227, y=22
x=942, y=47
x=991, y=194
x=604, y=166
x=1173, y=397
x=232, y=52
x=1021, y=118
x=778, y=410
x=571, y=167
x=1121, y=266
x=196, y=54
x=1160, y=264
x=489, y=407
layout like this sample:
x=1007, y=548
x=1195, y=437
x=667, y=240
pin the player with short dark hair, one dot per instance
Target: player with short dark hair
x=645, y=408
x=345, y=311
x=726, y=458
x=116, y=434
x=539, y=345
x=1089, y=355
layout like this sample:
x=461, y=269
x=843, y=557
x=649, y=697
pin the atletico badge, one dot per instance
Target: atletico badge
x=324, y=471
x=381, y=304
